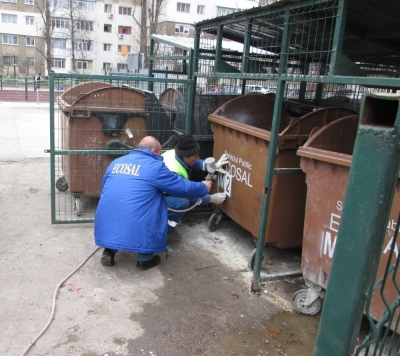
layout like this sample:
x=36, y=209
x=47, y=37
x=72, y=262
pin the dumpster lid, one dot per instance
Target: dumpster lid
x=333, y=143
x=252, y=114
x=77, y=91
x=255, y=110
x=301, y=128
x=109, y=98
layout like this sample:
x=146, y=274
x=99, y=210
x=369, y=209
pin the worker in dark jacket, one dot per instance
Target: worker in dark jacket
x=36, y=84
x=132, y=212
x=183, y=160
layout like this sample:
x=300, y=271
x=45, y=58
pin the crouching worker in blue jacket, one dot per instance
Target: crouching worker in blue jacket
x=132, y=212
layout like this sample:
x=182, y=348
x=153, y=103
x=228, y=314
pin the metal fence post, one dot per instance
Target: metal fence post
x=370, y=188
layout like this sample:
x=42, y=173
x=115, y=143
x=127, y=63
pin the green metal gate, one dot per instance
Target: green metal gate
x=95, y=119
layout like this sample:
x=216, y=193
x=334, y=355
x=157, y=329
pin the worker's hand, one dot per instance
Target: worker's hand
x=208, y=184
x=222, y=162
x=217, y=198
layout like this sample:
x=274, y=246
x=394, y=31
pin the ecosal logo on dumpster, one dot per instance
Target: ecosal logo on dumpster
x=330, y=236
x=239, y=169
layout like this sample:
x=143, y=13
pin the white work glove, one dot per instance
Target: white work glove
x=217, y=198
x=222, y=162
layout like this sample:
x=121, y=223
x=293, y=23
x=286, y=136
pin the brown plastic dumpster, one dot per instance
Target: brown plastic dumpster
x=99, y=116
x=326, y=159
x=241, y=129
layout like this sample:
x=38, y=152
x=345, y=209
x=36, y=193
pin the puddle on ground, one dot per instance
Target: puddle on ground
x=286, y=333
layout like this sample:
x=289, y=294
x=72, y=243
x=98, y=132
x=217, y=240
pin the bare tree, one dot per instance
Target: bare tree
x=27, y=64
x=65, y=19
x=46, y=31
x=78, y=31
x=149, y=16
x=9, y=60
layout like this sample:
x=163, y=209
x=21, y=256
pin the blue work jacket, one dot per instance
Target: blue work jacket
x=132, y=212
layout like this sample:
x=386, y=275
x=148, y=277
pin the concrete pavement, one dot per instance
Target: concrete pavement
x=198, y=302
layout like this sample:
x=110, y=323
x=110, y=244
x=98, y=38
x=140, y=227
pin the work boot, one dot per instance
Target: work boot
x=107, y=259
x=145, y=265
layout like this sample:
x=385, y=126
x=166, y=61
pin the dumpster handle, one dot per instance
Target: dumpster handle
x=282, y=148
x=79, y=116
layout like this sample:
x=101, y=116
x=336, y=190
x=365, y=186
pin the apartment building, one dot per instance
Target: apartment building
x=92, y=37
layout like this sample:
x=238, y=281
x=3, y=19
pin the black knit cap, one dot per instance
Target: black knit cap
x=186, y=146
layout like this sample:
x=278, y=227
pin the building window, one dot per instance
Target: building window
x=81, y=64
x=30, y=41
x=182, y=7
x=107, y=28
x=13, y=1
x=59, y=4
x=10, y=40
x=59, y=62
x=120, y=48
x=60, y=43
x=84, y=45
x=124, y=30
x=107, y=47
x=85, y=6
x=10, y=60
x=7, y=18
x=125, y=10
x=201, y=9
x=29, y=20
x=84, y=25
x=107, y=66
x=181, y=29
x=222, y=11
x=29, y=2
x=59, y=23
x=30, y=61
x=122, y=66
x=108, y=8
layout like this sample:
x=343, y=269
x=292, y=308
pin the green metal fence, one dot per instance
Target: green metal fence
x=291, y=52
x=294, y=51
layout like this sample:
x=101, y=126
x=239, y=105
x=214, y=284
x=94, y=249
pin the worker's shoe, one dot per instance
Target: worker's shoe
x=107, y=258
x=145, y=265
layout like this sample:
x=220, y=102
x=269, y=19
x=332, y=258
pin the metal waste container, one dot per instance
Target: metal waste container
x=326, y=159
x=241, y=130
x=101, y=116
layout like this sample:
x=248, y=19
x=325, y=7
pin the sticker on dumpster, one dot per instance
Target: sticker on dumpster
x=239, y=169
x=330, y=235
x=129, y=133
x=225, y=182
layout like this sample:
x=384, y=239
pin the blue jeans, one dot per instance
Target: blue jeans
x=182, y=204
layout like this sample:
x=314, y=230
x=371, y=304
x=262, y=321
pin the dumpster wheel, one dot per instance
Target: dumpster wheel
x=298, y=303
x=213, y=221
x=252, y=259
x=77, y=205
x=62, y=184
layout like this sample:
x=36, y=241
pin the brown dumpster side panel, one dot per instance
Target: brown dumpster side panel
x=241, y=129
x=327, y=174
x=247, y=158
x=390, y=292
x=85, y=127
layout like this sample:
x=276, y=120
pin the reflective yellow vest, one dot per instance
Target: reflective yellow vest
x=174, y=165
